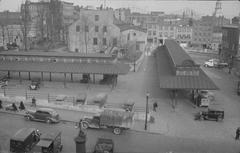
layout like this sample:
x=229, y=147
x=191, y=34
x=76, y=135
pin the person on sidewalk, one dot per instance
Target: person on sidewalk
x=34, y=102
x=14, y=107
x=155, y=105
x=21, y=106
x=237, y=133
x=1, y=104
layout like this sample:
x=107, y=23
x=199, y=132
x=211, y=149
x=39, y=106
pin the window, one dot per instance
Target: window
x=86, y=29
x=95, y=41
x=77, y=28
x=149, y=33
x=134, y=34
x=96, y=17
x=104, y=41
x=76, y=49
x=104, y=28
x=96, y=28
x=160, y=34
x=154, y=33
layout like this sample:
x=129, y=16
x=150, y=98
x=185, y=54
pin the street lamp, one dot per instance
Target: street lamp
x=146, y=116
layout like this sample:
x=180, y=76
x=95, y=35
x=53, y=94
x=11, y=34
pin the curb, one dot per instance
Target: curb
x=68, y=121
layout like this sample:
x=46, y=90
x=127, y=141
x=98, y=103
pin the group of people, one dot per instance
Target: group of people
x=21, y=106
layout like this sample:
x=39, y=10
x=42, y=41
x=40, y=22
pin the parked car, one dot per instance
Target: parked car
x=49, y=143
x=24, y=140
x=211, y=62
x=3, y=83
x=43, y=114
x=85, y=78
x=215, y=63
x=35, y=84
x=208, y=94
x=210, y=114
x=104, y=145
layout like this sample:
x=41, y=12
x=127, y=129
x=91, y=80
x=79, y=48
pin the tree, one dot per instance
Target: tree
x=26, y=19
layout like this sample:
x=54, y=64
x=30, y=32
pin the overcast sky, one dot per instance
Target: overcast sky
x=230, y=8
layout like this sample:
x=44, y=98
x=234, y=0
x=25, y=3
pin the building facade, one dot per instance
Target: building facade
x=135, y=35
x=183, y=34
x=121, y=14
x=230, y=43
x=94, y=31
x=10, y=29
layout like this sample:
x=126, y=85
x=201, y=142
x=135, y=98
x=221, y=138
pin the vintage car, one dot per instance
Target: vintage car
x=24, y=140
x=35, y=84
x=49, y=143
x=210, y=114
x=42, y=114
x=104, y=145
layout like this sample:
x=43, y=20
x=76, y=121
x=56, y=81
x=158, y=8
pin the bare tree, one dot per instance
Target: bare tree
x=25, y=16
x=86, y=29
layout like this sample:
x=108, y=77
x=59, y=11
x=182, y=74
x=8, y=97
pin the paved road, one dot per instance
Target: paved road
x=129, y=142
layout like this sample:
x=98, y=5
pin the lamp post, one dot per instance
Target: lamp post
x=146, y=116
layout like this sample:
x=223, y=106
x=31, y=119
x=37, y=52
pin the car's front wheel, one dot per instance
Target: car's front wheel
x=28, y=118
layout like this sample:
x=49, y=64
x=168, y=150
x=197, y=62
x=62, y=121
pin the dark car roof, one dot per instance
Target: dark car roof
x=22, y=134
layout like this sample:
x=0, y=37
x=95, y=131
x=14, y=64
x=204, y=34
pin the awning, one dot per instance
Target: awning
x=61, y=67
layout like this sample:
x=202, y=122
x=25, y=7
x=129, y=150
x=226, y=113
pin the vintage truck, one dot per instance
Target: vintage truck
x=115, y=119
x=24, y=140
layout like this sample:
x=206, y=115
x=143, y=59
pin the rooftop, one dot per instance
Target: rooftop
x=55, y=54
x=168, y=79
x=177, y=54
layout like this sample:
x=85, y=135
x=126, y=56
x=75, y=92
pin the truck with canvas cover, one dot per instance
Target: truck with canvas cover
x=49, y=143
x=24, y=140
x=115, y=119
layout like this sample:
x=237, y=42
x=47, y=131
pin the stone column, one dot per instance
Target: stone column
x=80, y=141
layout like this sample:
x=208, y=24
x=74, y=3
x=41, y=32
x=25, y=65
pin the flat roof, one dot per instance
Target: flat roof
x=61, y=67
x=168, y=79
x=22, y=134
x=54, y=54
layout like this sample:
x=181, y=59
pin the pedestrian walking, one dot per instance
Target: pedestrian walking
x=155, y=105
x=237, y=133
x=34, y=102
x=1, y=104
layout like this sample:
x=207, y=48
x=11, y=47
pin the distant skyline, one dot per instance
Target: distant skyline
x=230, y=8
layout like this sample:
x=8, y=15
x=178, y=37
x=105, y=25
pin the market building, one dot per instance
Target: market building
x=177, y=71
x=68, y=64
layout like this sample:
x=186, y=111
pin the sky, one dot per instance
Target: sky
x=230, y=8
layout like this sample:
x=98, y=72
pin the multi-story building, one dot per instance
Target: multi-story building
x=121, y=14
x=207, y=31
x=230, y=43
x=48, y=20
x=183, y=34
x=139, y=19
x=134, y=34
x=37, y=14
x=202, y=32
x=10, y=28
x=94, y=31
